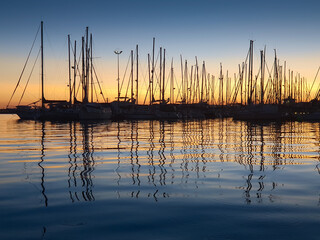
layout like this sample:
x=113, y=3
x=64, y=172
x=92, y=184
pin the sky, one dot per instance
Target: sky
x=216, y=31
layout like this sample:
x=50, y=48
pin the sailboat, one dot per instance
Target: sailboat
x=62, y=109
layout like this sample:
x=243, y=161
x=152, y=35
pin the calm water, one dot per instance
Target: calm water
x=211, y=179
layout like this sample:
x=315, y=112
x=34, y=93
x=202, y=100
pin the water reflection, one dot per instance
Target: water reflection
x=43, y=189
x=81, y=164
x=118, y=157
x=159, y=159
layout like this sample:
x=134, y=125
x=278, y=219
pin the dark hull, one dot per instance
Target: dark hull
x=259, y=113
x=68, y=114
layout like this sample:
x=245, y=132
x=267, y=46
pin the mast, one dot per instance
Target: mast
x=221, y=86
x=212, y=97
x=86, y=76
x=160, y=77
x=250, y=86
x=279, y=81
x=164, y=73
x=194, y=85
x=241, y=82
x=137, y=82
x=285, y=80
x=290, y=84
x=276, y=77
x=182, y=78
x=74, y=72
x=262, y=55
x=131, y=76
x=208, y=88
x=186, y=79
x=235, y=89
x=202, y=83
x=171, y=84
x=245, y=82
x=150, y=94
x=189, y=100
x=91, y=66
x=83, y=73
x=42, y=87
x=70, y=90
x=227, y=87
x=118, y=79
x=197, y=81
x=152, y=71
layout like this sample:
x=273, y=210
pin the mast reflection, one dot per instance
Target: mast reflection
x=118, y=157
x=43, y=189
x=81, y=164
x=161, y=152
x=159, y=159
x=171, y=141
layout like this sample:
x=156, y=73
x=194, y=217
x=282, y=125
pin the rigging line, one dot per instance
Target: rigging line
x=255, y=84
x=73, y=87
x=269, y=71
x=213, y=91
x=156, y=78
x=167, y=82
x=270, y=89
x=95, y=91
x=179, y=89
x=124, y=75
x=79, y=85
x=156, y=86
x=149, y=86
x=233, y=90
x=144, y=76
x=237, y=86
x=34, y=102
x=270, y=78
x=24, y=90
x=313, y=84
x=145, y=99
x=96, y=74
x=129, y=80
x=240, y=82
x=94, y=70
x=15, y=89
x=128, y=87
x=235, y=94
x=79, y=74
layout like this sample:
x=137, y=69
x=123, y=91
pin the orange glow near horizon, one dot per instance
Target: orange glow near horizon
x=56, y=81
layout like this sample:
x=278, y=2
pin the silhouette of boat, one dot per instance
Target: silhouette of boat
x=68, y=110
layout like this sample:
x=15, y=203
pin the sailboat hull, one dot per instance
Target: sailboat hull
x=84, y=112
x=95, y=111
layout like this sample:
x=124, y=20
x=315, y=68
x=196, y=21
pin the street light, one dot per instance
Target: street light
x=118, y=53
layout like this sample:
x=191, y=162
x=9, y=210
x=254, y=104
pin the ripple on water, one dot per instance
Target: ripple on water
x=208, y=179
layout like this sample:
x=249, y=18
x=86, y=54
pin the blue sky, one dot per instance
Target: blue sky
x=215, y=31
x=193, y=27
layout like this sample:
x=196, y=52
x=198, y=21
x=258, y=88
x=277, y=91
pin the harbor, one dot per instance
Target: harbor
x=183, y=179
x=268, y=95
x=162, y=120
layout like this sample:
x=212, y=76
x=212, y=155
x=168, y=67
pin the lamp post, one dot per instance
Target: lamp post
x=118, y=53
